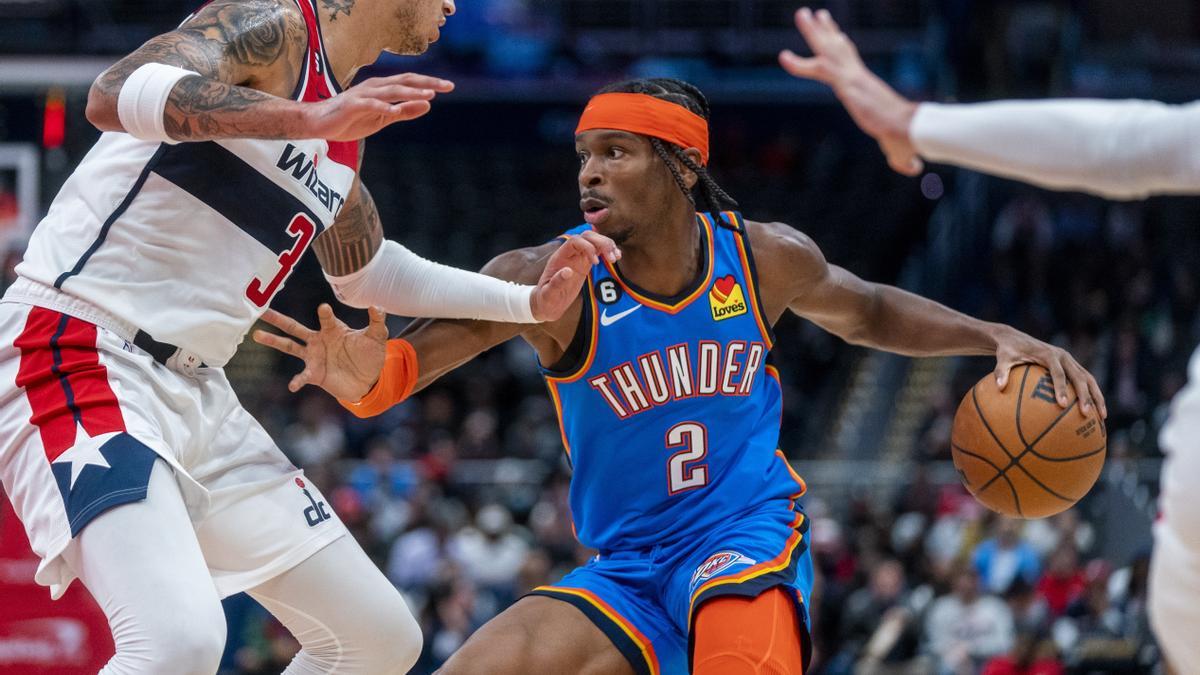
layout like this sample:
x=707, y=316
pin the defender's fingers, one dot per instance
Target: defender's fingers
x=288, y=325
x=425, y=81
x=298, y=382
x=825, y=18
x=799, y=66
x=409, y=110
x=813, y=32
x=398, y=94
x=280, y=343
x=906, y=166
x=606, y=246
x=562, y=278
x=326, y=317
x=377, y=322
x=579, y=246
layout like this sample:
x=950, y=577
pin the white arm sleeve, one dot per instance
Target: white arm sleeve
x=1117, y=149
x=402, y=282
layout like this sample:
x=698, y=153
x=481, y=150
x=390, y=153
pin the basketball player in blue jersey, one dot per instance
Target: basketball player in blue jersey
x=230, y=149
x=669, y=408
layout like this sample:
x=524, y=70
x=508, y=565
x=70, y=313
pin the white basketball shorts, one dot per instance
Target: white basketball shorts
x=83, y=416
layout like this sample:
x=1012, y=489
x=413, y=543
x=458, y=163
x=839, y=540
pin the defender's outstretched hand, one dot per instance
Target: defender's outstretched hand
x=566, y=271
x=373, y=104
x=1014, y=348
x=339, y=359
x=876, y=108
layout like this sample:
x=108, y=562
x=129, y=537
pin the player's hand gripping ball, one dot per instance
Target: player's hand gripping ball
x=1021, y=453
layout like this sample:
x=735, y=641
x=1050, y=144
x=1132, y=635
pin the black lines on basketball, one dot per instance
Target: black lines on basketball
x=1052, y=425
x=1000, y=473
x=983, y=418
x=1021, y=399
x=1072, y=458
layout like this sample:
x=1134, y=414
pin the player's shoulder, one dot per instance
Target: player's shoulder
x=256, y=30
x=522, y=265
x=779, y=246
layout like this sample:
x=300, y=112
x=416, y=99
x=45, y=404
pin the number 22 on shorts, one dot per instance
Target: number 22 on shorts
x=303, y=229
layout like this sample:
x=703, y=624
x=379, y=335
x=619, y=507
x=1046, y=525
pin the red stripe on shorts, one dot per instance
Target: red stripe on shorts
x=64, y=380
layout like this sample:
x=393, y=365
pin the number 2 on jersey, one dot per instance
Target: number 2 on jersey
x=303, y=229
x=683, y=472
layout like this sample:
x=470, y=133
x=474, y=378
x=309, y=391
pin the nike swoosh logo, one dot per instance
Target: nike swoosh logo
x=606, y=320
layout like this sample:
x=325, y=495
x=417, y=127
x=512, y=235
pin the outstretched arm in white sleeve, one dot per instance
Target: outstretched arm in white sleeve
x=1116, y=149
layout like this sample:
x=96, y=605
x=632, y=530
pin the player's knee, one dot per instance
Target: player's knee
x=191, y=643
x=389, y=638
x=194, y=652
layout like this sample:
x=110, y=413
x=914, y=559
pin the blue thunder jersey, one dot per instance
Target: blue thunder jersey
x=669, y=410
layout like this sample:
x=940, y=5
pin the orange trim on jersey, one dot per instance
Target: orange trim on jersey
x=751, y=282
x=701, y=289
x=775, y=564
x=552, y=387
x=591, y=350
x=795, y=476
x=626, y=626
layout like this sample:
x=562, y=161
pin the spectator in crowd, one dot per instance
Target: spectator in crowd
x=491, y=553
x=880, y=628
x=1063, y=582
x=1095, y=633
x=966, y=628
x=1005, y=557
x=1030, y=655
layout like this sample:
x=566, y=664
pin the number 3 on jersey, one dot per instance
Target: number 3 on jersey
x=683, y=471
x=303, y=229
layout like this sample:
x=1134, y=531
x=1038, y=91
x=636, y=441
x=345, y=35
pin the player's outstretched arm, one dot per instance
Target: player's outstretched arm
x=1116, y=149
x=211, y=78
x=369, y=373
x=367, y=271
x=795, y=276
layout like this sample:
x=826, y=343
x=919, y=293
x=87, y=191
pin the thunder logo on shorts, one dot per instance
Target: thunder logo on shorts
x=670, y=412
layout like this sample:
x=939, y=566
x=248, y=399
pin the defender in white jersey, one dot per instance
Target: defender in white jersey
x=231, y=149
x=1114, y=149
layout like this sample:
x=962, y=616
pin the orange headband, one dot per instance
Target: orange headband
x=644, y=114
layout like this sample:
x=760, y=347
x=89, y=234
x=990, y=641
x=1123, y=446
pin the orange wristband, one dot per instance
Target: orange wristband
x=396, y=381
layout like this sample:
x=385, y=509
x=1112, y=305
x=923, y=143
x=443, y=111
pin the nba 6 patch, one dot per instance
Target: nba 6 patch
x=726, y=298
x=717, y=563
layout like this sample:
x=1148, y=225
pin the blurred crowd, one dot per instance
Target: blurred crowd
x=931, y=584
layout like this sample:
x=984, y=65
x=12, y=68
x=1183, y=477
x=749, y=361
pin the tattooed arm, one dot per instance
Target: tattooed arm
x=248, y=55
x=355, y=236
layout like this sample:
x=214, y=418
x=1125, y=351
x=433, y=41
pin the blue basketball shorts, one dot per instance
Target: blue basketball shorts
x=645, y=600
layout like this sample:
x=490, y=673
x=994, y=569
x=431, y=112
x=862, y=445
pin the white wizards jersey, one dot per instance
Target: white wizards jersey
x=190, y=242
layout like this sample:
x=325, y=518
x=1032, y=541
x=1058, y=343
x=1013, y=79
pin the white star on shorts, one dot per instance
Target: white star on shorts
x=85, y=451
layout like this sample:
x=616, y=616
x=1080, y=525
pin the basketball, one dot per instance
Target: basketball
x=1019, y=452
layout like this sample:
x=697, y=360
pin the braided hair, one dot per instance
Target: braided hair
x=680, y=93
